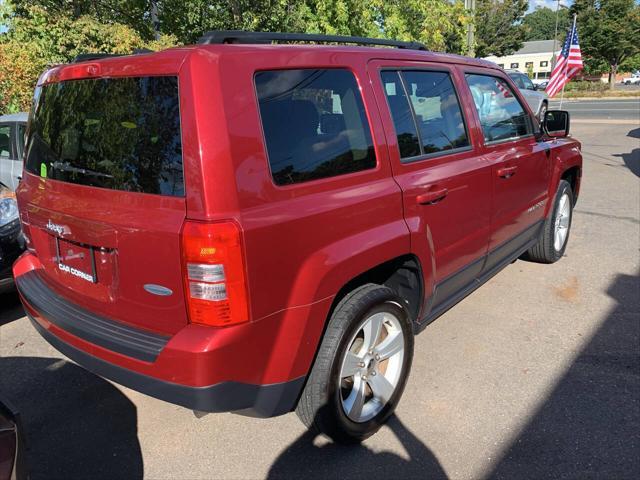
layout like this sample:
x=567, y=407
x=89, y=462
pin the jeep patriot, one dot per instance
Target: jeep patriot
x=256, y=226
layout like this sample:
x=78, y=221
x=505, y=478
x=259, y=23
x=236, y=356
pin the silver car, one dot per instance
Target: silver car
x=537, y=100
x=12, y=128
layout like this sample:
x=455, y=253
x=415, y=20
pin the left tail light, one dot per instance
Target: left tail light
x=214, y=273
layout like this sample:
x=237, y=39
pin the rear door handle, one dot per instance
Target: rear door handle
x=507, y=172
x=432, y=196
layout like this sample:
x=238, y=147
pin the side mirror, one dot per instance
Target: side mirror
x=556, y=123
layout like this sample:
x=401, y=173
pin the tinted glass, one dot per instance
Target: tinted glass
x=437, y=111
x=501, y=115
x=314, y=124
x=5, y=141
x=122, y=134
x=401, y=113
x=517, y=79
x=21, y=131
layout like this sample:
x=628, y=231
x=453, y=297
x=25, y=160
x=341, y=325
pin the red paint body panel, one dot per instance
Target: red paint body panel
x=302, y=243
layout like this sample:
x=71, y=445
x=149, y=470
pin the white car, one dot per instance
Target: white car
x=537, y=100
x=634, y=79
x=12, y=128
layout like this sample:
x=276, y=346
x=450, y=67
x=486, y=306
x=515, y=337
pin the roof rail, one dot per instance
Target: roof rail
x=240, y=36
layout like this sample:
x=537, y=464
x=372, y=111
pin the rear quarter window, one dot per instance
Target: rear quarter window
x=314, y=124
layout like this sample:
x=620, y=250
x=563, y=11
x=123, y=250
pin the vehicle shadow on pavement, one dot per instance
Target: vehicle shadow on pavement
x=77, y=425
x=303, y=459
x=10, y=307
x=632, y=159
x=589, y=426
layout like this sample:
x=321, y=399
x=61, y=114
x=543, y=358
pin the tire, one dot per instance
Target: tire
x=329, y=403
x=548, y=249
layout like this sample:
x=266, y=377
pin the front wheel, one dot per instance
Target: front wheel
x=555, y=232
x=361, y=368
x=543, y=111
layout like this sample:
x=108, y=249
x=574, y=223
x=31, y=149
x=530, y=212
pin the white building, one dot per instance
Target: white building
x=535, y=56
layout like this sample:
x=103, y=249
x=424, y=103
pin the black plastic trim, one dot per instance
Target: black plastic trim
x=243, y=398
x=467, y=280
x=104, y=332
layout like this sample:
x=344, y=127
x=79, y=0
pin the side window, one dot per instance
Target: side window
x=528, y=84
x=5, y=141
x=21, y=130
x=432, y=108
x=403, y=121
x=437, y=111
x=314, y=124
x=501, y=115
x=517, y=79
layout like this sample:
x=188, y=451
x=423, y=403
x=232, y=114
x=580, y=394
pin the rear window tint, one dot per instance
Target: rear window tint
x=314, y=124
x=118, y=133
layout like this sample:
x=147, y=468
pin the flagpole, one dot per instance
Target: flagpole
x=573, y=29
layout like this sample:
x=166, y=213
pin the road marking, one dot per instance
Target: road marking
x=610, y=121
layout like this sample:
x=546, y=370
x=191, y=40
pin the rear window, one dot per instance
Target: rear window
x=314, y=124
x=118, y=133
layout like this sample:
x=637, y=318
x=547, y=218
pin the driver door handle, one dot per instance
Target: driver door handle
x=507, y=172
x=432, y=196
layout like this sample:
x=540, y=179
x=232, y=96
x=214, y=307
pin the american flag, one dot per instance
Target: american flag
x=568, y=65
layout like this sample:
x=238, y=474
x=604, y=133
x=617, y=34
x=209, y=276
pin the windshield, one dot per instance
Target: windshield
x=117, y=133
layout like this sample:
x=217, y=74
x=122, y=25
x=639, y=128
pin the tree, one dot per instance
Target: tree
x=609, y=31
x=499, y=29
x=541, y=23
x=40, y=39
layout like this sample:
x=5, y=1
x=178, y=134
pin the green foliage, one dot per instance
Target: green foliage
x=498, y=26
x=438, y=24
x=541, y=23
x=609, y=31
x=40, y=38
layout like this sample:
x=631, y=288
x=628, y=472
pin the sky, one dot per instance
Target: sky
x=547, y=3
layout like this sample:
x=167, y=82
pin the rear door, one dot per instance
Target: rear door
x=103, y=196
x=520, y=164
x=446, y=186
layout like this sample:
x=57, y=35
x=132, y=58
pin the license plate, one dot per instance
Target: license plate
x=77, y=260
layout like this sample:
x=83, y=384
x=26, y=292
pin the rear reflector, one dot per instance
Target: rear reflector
x=214, y=273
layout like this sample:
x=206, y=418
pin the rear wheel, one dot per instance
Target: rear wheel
x=555, y=231
x=361, y=368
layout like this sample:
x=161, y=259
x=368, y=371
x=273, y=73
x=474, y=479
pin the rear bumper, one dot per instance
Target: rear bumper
x=200, y=368
x=243, y=398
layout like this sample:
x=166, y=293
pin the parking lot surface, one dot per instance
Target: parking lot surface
x=536, y=374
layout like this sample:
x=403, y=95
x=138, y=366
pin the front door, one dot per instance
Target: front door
x=520, y=166
x=446, y=186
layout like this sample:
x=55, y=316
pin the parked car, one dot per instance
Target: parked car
x=535, y=97
x=260, y=228
x=12, y=465
x=634, y=79
x=12, y=242
x=12, y=130
x=541, y=86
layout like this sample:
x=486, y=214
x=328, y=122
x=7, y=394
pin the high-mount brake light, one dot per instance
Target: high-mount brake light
x=214, y=275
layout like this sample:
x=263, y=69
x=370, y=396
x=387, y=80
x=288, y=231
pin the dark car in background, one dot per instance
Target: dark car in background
x=12, y=465
x=12, y=130
x=12, y=242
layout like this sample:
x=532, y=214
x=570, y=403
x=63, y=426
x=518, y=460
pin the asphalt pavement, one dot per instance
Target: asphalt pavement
x=535, y=375
x=595, y=110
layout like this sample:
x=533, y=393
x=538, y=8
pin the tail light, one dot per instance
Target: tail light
x=213, y=265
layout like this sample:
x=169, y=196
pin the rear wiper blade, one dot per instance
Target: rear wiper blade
x=65, y=167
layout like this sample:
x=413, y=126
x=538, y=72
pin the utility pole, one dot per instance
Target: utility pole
x=154, y=19
x=555, y=39
x=470, y=6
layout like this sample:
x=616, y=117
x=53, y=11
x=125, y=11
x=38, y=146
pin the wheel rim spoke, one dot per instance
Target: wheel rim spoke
x=355, y=401
x=380, y=387
x=351, y=365
x=394, y=343
x=372, y=330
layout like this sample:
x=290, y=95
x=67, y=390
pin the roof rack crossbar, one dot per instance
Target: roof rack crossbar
x=239, y=36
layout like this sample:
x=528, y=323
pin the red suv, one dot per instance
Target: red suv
x=252, y=227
